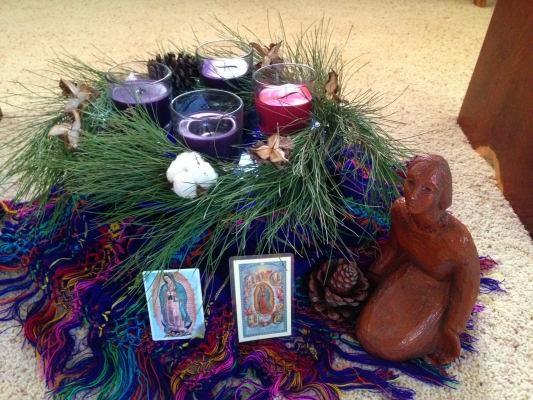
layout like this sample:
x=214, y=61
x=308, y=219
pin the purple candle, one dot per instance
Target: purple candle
x=133, y=84
x=224, y=73
x=155, y=97
x=211, y=133
x=225, y=64
x=209, y=121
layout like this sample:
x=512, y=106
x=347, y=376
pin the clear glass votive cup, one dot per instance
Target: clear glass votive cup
x=225, y=64
x=209, y=121
x=283, y=97
x=134, y=84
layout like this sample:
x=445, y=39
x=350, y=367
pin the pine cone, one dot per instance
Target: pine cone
x=336, y=288
x=183, y=66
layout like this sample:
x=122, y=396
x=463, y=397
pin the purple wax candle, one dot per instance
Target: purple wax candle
x=224, y=73
x=225, y=64
x=209, y=121
x=211, y=133
x=155, y=97
x=137, y=84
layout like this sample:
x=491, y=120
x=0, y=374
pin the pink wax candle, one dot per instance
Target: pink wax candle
x=285, y=107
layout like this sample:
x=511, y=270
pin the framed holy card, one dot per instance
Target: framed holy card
x=262, y=295
x=174, y=299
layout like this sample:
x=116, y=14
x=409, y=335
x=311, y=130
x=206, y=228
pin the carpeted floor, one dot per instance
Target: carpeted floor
x=423, y=50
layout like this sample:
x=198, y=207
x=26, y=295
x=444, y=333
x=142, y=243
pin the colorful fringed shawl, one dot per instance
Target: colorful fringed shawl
x=91, y=339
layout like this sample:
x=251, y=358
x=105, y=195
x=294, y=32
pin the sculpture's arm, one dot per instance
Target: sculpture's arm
x=389, y=251
x=386, y=261
x=463, y=294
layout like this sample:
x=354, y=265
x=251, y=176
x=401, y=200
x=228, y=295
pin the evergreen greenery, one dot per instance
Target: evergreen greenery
x=122, y=159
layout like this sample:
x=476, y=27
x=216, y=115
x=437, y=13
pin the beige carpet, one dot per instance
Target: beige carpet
x=427, y=48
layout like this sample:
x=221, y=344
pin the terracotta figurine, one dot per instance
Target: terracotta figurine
x=427, y=278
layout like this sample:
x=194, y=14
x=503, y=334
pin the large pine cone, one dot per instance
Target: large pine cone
x=336, y=289
x=183, y=66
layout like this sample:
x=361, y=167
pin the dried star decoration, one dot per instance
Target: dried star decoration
x=78, y=97
x=269, y=54
x=69, y=132
x=332, y=88
x=276, y=150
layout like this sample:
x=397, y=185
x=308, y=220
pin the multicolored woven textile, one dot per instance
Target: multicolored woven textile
x=92, y=337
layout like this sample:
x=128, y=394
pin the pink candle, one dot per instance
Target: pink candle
x=285, y=107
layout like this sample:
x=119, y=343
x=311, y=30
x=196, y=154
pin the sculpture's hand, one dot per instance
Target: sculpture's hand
x=448, y=348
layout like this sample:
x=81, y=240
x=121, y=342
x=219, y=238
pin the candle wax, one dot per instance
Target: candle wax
x=285, y=107
x=211, y=133
x=224, y=73
x=154, y=96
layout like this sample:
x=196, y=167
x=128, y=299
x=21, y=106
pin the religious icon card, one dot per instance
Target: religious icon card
x=262, y=295
x=175, y=308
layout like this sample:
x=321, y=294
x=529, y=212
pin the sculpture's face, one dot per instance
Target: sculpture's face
x=420, y=189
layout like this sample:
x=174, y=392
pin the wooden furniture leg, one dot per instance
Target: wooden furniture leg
x=496, y=114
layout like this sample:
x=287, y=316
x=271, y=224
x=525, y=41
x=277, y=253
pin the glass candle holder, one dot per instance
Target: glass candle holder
x=225, y=64
x=283, y=97
x=209, y=121
x=133, y=84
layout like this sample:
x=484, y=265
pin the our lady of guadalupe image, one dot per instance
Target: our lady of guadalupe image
x=174, y=304
x=262, y=289
x=173, y=301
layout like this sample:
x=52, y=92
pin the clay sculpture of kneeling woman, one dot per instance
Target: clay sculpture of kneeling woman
x=427, y=278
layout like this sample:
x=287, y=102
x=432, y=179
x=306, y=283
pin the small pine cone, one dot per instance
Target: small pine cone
x=337, y=288
x=183, y=66
x=344, y=278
